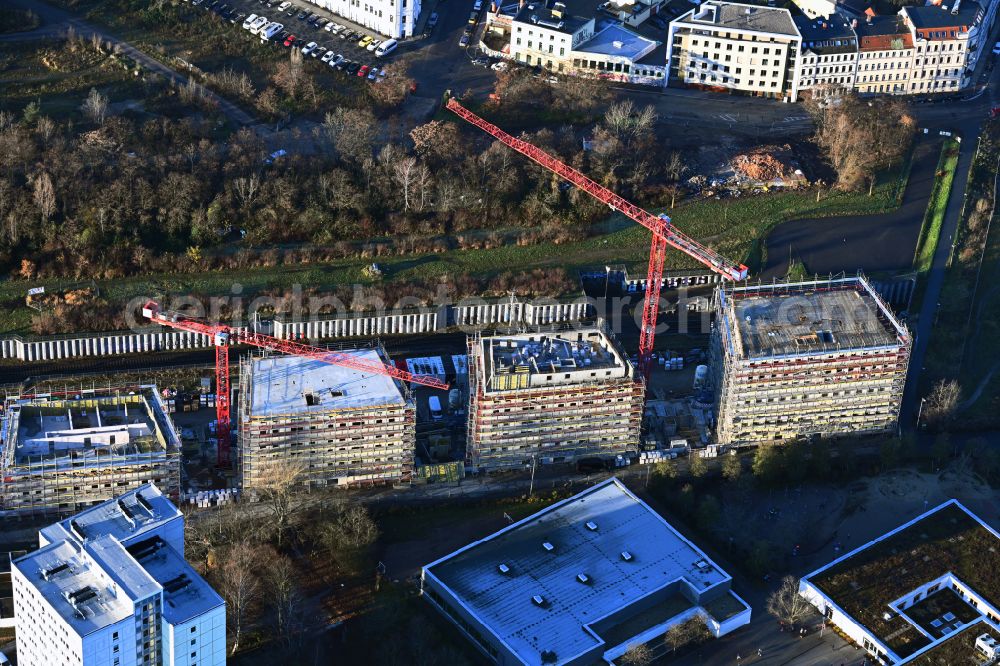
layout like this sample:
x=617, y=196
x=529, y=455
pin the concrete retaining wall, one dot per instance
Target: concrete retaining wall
x=128, y=342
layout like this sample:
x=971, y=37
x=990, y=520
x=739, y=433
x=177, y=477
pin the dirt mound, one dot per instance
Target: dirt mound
x=765, y=163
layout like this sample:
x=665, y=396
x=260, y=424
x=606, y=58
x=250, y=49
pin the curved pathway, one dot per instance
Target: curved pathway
x=872, y=243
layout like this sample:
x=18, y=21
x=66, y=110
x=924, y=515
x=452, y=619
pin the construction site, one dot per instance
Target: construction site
x=63, y=454
x=550, y=397
x=804, y=359
x=345, y=426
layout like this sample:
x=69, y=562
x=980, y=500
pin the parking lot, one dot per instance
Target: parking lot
x=348, y=50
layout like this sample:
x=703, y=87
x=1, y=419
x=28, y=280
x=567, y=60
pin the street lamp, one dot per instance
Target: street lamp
x=607, y=278
x=920, y=410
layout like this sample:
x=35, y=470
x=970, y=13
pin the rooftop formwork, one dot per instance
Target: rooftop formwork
x=823, y=357
x=550, y=396
x=63, y=454
x=346, y=427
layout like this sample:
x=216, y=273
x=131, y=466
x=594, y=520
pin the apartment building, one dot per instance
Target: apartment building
x=550, y=397
x=829, y=52
x=885, y=55
x=110, y=587
x=817, y=358
x=392, y=18
x=946, y=45
x=736, y=48
x=347, y=427
x=545, y=35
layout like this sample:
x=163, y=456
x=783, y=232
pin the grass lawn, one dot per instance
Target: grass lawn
x=965, y=342
x=48, y=73
x=934, y=217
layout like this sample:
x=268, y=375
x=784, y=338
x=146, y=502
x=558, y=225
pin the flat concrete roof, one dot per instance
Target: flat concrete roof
x=622, y=522
x=80, y=569
x=186, y=594
x=614, y=40
x=296, y=385
x=124, y=517
x=736, y=16
x=807, y=317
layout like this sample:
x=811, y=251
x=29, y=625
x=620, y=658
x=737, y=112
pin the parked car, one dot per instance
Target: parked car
x=302, y=15
x=353, y=68
x=328, y=56
x=309, y=48
x=365, y=41
x=283, y=6
x=237, y=18
x=337, y=59
x=480, y=62
x=322, y=22
x=373, y=74
x=464, y=41
x=249, y=21
x=336, y=29
x=478, y=6
x=432, y=21
x=343, y=65
x=473, y=18
x=374, y=44
x=291, y=10
x=499, y=66
x=319, y=53
x=291, y=40
x=363, y=71
x=996, y=48
x=388, y=46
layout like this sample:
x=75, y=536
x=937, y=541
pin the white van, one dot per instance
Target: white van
x=258, y=24
x=270, y=31
x=388, y=46
x=434, y=404
x=249, y=21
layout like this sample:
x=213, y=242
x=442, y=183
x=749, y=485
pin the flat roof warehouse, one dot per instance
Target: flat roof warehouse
x=557, y=582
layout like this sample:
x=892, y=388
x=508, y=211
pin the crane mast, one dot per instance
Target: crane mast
x=664, y=234
x=224, y=336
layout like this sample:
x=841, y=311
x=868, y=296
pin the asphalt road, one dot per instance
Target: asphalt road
x=872, y=243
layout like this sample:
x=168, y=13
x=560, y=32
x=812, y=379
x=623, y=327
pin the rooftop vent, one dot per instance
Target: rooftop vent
x=618, y=44
x=503, y=568
x=583, y=578
x=144, y=502
x=52, y=571
x=701, y=564
x=548, y=546
x=592, y=526
x=627, y=556
x=538, y=600
x=177, y=584
x=76, y=529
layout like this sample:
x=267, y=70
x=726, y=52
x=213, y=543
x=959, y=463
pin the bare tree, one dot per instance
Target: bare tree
x=277, y=484
x=692, y=630
x=95, y=107
x=284, y=596
x=239, y=585
x=785, y=603
x=675, y=166
x=245, y=189
x=941, y=404
x=405, y=173
x=352, y=131
x=44, y=195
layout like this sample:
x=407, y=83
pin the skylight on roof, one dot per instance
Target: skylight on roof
x=548, y=546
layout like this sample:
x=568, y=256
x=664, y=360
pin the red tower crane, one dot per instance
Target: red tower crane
x=224, y=336
x=664, y=233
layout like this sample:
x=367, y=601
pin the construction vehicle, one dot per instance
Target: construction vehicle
x=223, y=337
x=664, y=234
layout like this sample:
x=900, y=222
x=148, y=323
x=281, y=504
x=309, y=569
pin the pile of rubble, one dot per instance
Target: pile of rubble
x=766, y=163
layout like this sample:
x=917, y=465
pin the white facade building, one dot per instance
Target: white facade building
x=829, y=52
x=886, y=595
x=736, y=48
x=110, y=587
x=393, y=18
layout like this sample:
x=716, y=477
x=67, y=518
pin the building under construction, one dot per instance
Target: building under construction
x=345, y=427
x=547, y=397
x=61, y=455
x=802, y=359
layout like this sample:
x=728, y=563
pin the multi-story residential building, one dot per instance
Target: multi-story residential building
x=545, y=36
x=736, y=48
x=393, y=18
x=817, y=358
x=346, y=426
x=110, y=587
x=946, y=45
x=550, y=397
x=829, y=52
x=885, y=55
